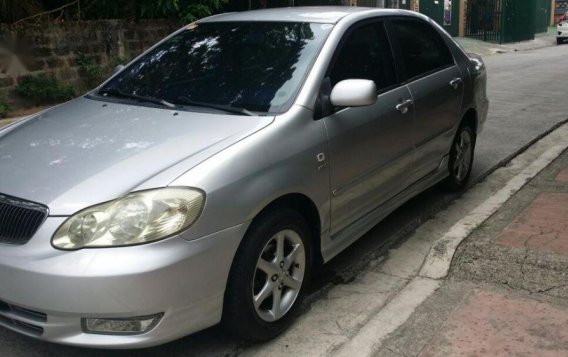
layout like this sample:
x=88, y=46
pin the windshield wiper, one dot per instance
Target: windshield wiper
x=225, y=108
x=120, y=94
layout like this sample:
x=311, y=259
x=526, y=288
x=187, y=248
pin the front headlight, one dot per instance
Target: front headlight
x=139, y=217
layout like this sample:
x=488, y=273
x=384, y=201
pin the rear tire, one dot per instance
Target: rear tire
x=269, y=276
x=461, y=159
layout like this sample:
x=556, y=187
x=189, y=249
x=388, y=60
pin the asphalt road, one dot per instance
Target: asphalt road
x=527, y=94
x=527, y=91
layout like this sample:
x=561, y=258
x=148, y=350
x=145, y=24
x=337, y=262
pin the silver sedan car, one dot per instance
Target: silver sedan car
x=205, y=181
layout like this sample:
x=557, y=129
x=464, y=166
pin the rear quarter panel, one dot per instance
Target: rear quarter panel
x=475, y=79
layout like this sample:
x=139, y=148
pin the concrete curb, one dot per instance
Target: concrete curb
x=4, y=122
x=518, y=152
x=489, y=49
x=393, y=315
x=8, y=121
x=438, y=259
x=437, y=263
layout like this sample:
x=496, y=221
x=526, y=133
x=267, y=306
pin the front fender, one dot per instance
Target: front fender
x=243, y=179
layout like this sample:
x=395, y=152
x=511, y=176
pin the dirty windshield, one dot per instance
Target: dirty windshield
x=237, y=66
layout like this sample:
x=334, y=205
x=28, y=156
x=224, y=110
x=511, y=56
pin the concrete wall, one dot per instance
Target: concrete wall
x=53, y=48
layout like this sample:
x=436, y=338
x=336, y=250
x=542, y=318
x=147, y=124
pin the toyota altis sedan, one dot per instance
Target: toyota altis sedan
x=205, y=181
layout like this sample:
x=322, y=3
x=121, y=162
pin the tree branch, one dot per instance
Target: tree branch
x=76, y=2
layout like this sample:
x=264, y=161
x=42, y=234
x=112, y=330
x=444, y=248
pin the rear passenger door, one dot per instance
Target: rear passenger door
x=370, y=147
x=436, y=85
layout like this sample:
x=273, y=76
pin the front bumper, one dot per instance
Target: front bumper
x=184, y=280
x=562, y=32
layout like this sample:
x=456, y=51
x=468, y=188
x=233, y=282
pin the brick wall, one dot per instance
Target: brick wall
x=53, y=49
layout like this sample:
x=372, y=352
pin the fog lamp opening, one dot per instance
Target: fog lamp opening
x=120, y=326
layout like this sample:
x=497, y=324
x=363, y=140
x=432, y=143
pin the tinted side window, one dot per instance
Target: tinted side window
x=423, y=50
x=365, y=54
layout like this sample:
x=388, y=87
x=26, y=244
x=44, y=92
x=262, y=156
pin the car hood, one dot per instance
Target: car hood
x=87, y=151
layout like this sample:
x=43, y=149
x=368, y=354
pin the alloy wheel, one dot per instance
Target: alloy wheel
x=279, y=275
x=463, y=150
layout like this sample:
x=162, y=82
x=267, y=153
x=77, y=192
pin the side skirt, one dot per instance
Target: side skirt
x=348, y=235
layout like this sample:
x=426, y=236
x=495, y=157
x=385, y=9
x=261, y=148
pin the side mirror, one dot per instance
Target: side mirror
x=118, y=68
x=354, y=93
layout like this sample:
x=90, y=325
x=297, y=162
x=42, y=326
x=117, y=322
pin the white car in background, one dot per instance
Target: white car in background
x=562, y=31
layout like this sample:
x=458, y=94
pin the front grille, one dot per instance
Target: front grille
x=19, y=219
x=21, y=319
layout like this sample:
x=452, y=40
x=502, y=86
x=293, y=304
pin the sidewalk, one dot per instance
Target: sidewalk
x=541, y=40
x=507, y=290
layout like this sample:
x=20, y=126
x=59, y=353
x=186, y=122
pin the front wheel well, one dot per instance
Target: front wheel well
x=306, y=207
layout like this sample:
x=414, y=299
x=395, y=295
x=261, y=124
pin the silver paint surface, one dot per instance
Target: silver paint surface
x=355, y=167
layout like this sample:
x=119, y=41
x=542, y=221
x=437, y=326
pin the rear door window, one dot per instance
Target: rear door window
x=422, y=49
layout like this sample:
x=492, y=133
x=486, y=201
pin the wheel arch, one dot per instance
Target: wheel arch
x=233, y=308
x=308, y=209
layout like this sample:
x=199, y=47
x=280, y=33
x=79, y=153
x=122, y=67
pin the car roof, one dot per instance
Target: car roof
x=318, y=14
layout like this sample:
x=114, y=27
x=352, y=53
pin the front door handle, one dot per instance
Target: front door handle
x=403, y=107
x=455, y=83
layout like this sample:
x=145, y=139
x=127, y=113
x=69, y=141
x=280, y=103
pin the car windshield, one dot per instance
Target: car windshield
x=239, y=67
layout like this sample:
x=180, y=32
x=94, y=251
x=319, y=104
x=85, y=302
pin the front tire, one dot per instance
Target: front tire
x=558, y=40
x=461, y=159
x=269, y=276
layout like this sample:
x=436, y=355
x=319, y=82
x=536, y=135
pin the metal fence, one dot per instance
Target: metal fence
x=392, y=4
x=369, y=3
x=542, y=15
x=483, y=20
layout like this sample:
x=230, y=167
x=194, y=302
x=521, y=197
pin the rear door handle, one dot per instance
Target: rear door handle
x=403, y=107
x=455, y=83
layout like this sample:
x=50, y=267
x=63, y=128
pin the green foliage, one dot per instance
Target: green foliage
x=5, y=107
x=92, y=72
x=44, y=89
x=186, y=10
